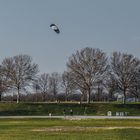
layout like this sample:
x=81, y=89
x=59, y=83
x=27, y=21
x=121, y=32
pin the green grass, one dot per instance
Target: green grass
x=57, y=108
x=58, y=129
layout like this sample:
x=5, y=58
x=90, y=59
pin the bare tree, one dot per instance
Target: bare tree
x=134, y=90
x=124, y=68
x=20, y=72
x=87, y=66
x=54, y=83
x=67, y=84
x=42, y=85
x=110, y=85
x=3, y=83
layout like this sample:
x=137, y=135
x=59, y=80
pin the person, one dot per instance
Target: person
x=71, y=112
x=64, y=112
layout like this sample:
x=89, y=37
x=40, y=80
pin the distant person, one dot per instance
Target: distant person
x=64, y=112
x=50, y=114
x=71, y=112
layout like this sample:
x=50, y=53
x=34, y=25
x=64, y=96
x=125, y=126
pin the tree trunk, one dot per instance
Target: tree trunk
x=81, y=98
x=18, y=96
x=44, y=97
x=124, y=96
x=66, y=99
x=88, y=96
x=0, y=96
x=66, y=95
x=54, y=94
x=98, y=94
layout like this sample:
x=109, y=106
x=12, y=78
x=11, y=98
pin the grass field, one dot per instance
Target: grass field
x=57, y=108
x=57, y=129
x=61, y=129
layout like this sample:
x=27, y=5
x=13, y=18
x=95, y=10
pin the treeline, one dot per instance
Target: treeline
x=90, y=76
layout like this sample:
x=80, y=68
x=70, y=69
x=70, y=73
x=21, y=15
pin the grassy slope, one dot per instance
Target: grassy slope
x=57, y=109
x=57, y=129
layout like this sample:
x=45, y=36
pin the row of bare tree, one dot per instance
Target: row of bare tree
x=90, y=73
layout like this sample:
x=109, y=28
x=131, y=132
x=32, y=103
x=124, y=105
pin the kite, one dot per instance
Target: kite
x=55, y=28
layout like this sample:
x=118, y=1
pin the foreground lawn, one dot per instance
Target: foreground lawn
x=58, y=129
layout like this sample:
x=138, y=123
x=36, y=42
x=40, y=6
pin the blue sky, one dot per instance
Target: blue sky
x=110, y=25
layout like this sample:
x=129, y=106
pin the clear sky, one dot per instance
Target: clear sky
x=110, y=25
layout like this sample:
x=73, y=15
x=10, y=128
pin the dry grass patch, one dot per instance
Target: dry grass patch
x=78, y=129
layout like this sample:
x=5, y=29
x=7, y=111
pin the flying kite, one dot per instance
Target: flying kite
x=55, y=28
